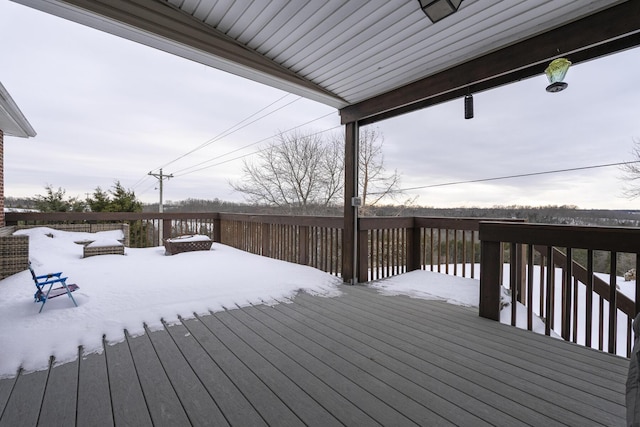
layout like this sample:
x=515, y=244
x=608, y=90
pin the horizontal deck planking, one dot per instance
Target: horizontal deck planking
x=358, y=359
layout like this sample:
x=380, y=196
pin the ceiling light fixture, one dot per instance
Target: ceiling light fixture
x=555, y=72
x=439, y=9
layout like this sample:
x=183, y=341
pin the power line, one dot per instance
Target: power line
x=247, y=146
x=140, y=181
x=245, y=155
x=147, y=189
x=512, y=176
x=221, y=135
x=233, y=129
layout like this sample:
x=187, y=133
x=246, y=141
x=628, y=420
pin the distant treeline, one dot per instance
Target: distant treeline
x=566, y=214
x=535, y=214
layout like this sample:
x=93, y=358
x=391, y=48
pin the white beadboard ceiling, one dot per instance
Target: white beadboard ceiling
x=357, y=49
x=339, y=52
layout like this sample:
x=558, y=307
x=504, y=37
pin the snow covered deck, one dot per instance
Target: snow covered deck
x=358, y=359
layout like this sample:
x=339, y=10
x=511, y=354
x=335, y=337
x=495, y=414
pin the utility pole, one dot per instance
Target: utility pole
x=161, y=179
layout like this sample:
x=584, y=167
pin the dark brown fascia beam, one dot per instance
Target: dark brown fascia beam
x=609, y=31
x=162, y=26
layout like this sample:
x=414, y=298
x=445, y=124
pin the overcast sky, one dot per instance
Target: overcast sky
x=108, y=109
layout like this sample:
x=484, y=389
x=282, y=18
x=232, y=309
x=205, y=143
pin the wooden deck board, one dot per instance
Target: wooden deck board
x=591, y=370
x=235, y=407
x=457, y=396
x=164, y=406
x=565, y=370
x=295, y=397
x=23, y=406
x=94, y=397
x=60, y=397
x=6, y=386
x=263, y=399
x=324, y=365
x=595, y=362
x=358, y=359
x=391, y=390
x=297, y=366
x=129, y=406
x=609, y=391
x=196, y=401
x=513, y=381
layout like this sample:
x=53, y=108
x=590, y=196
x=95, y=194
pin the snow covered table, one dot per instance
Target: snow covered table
x=103, y=247
x=192, y=242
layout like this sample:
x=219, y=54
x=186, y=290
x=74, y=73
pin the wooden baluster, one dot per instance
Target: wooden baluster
x=613, y=311
x=549, y=293
x=530, y=286
x=589, y=300
x=513, y=279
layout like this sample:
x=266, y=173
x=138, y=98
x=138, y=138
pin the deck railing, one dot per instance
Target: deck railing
x=306, y=240
x=394, y=245
x=551, y=275
x=388, y=245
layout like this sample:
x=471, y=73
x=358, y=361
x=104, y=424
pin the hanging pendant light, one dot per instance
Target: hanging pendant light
x=555, y=72
x=468, y=106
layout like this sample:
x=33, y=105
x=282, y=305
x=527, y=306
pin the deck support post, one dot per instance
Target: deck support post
x=413, y=248
x=303, y=245
x=165, y=230
x=217, y=229
x=490, y=268
x=350, y=230
x=266, y=240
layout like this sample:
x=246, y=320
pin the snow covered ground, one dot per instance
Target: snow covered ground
x=454, y=290
x=144, y=286
x=125, y=292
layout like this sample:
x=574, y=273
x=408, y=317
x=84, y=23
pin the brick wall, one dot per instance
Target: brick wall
x=2, y=224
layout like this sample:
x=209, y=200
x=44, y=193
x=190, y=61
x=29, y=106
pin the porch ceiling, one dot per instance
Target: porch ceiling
x=370, y=58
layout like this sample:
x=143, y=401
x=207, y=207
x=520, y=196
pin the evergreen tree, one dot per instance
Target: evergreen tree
x=100, y=200
x=117, y=199
x=54, y=201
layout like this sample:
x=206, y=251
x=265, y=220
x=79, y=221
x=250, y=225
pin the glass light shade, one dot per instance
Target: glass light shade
x=556, y=71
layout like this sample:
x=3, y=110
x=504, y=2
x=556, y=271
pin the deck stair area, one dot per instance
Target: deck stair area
x=358, y=359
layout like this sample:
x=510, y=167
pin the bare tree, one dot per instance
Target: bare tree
x=631, y=173
x=297, y=171
x=374, y=181
x=303, y=171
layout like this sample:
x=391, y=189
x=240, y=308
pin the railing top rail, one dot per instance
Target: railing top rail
x=13, y=217
x=385, y=222
x=462, y=223
x=366, y=223
x=310, y=221
x=616, y=239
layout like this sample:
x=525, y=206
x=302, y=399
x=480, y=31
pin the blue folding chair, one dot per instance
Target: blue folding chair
x=45, y=293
